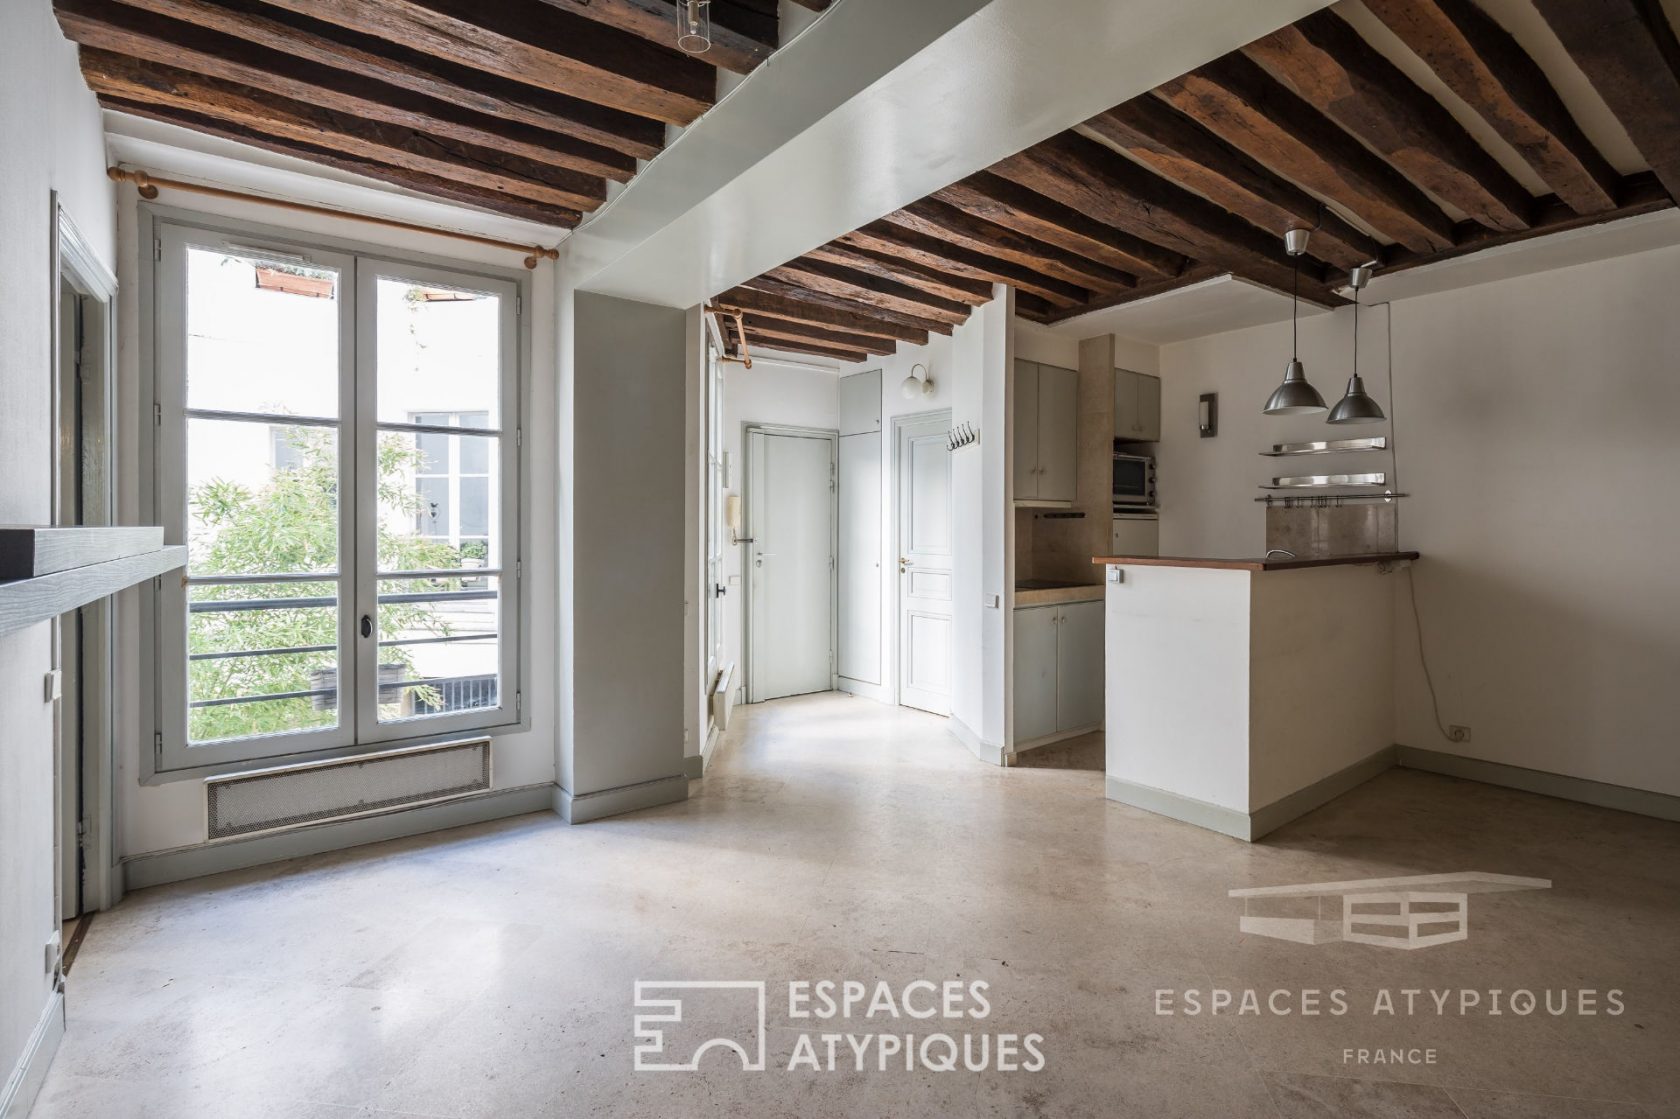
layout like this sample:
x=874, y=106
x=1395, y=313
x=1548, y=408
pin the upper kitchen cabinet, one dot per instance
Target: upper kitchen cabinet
x=1137, y=407
x=1046, y=429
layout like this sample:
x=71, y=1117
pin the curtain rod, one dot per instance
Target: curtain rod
x=148, y=185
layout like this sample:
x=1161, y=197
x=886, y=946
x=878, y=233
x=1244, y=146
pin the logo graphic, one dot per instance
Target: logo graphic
x=710, y=1005
x=1419, y=911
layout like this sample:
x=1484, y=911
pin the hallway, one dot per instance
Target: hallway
x=489, y=971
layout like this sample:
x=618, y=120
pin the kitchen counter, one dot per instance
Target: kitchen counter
x=1238, y=701
x=1277, y=563
x=1034, y=592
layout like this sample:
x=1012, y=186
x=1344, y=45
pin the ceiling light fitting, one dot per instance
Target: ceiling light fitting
x=1357, y=406
x=694, y=26
x=1295, y=396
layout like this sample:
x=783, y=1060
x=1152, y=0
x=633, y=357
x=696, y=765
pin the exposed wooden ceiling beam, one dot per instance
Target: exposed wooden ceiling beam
x=1327, y=63
x=799, y=346
x=739, y=41
x=1195, y=274
x=947, y=223
x=772, y=327
x=114, y=75
x=1629, y=53
x=782, y=306
x=1636, y=194
x=542, y=46
x=1014, y=207
x=1177, y=148
x=129, y=31
x=1484, y=65
x=775, y=285
x=918, y=275
x=436, y=186
x=1089, y=176
x=862, y=287
x=908, y=244
x=814, y=5
x=406, y=69
x=1236, y=99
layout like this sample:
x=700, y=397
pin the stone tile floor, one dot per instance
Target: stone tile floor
x=489, y=971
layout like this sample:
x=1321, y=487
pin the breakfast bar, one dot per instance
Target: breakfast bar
x=1242, y=693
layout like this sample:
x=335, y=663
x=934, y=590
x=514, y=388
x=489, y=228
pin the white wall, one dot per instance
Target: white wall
x=169, y=814
x=52, y=140
x=1536, y=437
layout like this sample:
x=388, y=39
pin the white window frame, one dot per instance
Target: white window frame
x=166, y=236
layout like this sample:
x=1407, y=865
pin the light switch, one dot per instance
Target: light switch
x=1116, y=573
x=54, y=686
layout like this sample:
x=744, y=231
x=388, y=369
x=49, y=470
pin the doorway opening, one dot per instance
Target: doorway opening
x=791, y=544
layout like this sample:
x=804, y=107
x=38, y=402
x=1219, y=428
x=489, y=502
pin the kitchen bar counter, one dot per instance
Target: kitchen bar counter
x=1278, y=563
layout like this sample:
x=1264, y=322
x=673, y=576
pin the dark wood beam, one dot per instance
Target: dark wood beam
x=861, y=287
x=1195, y=274
x=935, y=281
x=129, y=31
x=947, y=223
x=733, y=48
x=1636, y=194
x=1090, y=176
x=814, y=5
x=1327, y=63
x=908, y=244
x=775, y=285
x=772, y=327
x=998, y=200
x=135, y=80
x=1175, y=147
x=543, y=46
x=798, y=346
x=434, y=185
x=1484, y=65
x=1236, y=99
x=783, y=306
x=1628, y=52
x=395, y=65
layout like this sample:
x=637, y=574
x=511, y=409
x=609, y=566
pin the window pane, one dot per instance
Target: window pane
x=430, y=521
x=439, y=649
x=439, y=352
x=262, y=499
x=246, y=641
x=262, y=336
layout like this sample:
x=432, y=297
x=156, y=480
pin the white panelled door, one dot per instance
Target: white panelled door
x=790, y=562
x=923, y=465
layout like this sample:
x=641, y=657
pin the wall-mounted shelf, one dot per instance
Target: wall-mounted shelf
x=1327, y=481
x=78, y=566
x=1327, y=447
x=1325, y=500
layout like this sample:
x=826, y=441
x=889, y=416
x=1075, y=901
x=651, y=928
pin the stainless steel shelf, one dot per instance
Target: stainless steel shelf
x=1327, y=481
x=1325, y=500
x=1327, y=447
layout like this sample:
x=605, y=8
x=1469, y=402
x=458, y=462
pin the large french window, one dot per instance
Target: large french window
x=335, y=440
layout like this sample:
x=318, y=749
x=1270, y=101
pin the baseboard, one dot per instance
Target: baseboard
x=987, y=752
x=696, y=765
x=1319, y=793
x=237, y=854
x=580, y=808
x=877, y=692
x=1228, y=821
x=24, y=1084
x=1662, y=806
x=1055, y=739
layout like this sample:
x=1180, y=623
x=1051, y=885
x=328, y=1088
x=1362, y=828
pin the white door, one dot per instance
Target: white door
x=790, y=562
x=923, y=465
x=1035, y=673
x=1058, y=433
x=1079, y=665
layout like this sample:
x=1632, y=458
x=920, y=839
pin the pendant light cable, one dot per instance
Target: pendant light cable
x=1394, y=464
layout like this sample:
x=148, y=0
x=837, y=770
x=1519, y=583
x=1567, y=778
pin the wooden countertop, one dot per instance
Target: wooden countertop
x=1278, y=563
x=1055, y=596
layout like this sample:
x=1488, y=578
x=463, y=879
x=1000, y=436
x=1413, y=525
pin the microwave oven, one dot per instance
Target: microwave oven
x=1134, y=481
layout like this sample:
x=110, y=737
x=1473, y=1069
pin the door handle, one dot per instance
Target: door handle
x=367, y=625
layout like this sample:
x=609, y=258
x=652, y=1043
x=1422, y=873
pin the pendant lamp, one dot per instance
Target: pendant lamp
x=1357, y=406
x=1295, y=396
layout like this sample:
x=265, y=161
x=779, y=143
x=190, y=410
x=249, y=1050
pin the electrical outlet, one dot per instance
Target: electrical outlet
x=52, y=954
x=1456, y=733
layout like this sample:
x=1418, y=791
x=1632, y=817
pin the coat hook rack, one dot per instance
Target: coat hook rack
x=963, y=435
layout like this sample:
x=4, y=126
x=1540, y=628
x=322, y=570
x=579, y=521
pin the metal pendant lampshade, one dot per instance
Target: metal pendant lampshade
x=1295, y=396
x=1356, y=406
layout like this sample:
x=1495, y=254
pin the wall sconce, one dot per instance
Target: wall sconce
x=914, y=386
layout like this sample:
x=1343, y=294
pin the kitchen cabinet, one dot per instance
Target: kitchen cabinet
x=1046, y=432
x=1058, y=670
x=1137, y=407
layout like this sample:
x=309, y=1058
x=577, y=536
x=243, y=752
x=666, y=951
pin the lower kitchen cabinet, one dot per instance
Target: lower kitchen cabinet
x=1058, y=670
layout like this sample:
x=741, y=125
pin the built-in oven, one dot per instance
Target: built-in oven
x=1134, y=481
